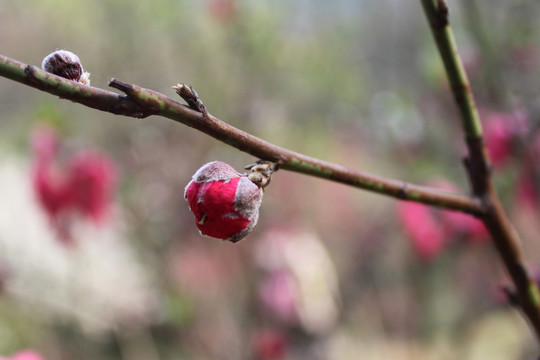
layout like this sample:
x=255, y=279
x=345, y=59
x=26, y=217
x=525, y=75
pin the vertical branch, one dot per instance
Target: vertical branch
x=505, y=238
x=437, y=14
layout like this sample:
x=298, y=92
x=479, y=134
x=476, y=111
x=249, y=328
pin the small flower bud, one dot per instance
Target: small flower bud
x=67, y=65
x=261, y=172
x=225, y=203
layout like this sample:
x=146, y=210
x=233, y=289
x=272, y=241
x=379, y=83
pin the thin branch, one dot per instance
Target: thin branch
x=139, y=102
x=505, y=238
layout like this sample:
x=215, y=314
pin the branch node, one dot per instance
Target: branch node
x=403, y=193
x=147, y=107
x=442, y=13
x=191, y=97
x=478, y=166
x=122, y=86
x=30, y=73
x=28, y=69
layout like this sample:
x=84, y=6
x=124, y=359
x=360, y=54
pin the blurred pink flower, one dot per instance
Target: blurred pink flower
x=50, y=184
x=222, y=10
x=24, y=355
x=298, y=286
x=501, y=131
x=91, y=181
x=429, y=229
x=45, y=143
x=269, y=344
x=422, y=229
x=85, y=187
x=278, y=295
x=52, y=189
x=458, y=224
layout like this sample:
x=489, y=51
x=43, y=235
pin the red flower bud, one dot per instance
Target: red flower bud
x=225, y=203
x=67, y=65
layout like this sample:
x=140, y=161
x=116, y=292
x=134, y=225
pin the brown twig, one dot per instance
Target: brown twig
x=505, y=238
x=140, y=102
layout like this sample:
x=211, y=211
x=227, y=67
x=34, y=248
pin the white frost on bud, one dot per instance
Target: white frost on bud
x=215, y=171
x=67, y=65
x=248, y=197
x=85, y=78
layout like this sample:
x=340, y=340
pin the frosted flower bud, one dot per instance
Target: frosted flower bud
x=225, y=203
x=67, y=65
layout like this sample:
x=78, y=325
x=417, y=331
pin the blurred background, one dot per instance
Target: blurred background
x=330, y=272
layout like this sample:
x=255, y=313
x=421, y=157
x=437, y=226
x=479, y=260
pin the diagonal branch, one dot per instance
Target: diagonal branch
x=505, y=238
x=139, y=102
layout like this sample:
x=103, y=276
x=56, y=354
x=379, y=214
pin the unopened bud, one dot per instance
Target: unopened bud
x=225, y=203
x=67, y=65
x=261, y=172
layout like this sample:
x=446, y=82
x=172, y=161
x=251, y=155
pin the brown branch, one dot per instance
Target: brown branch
x=140, y=102
x=505, y=238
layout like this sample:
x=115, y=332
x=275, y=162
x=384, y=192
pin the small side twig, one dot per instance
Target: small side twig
x=191, y=97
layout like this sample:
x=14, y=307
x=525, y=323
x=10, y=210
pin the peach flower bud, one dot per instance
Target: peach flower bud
x=67, y=65
x=225, y=203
